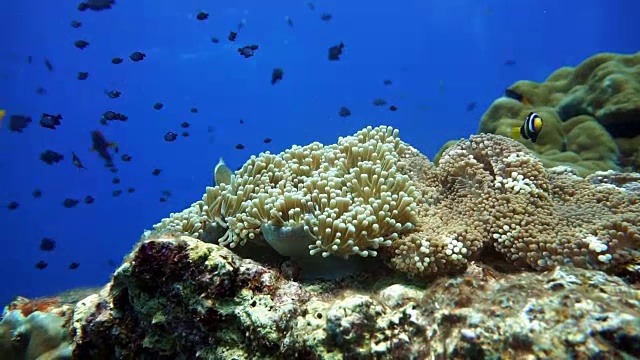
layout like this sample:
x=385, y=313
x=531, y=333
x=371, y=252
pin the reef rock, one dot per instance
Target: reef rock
x=181, y=298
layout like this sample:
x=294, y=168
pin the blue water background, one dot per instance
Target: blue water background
x=440, y=55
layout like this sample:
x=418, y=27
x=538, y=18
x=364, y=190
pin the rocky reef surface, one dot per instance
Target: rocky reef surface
x=366, y=250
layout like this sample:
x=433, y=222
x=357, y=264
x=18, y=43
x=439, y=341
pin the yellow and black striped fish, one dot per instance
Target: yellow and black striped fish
x=530, y=129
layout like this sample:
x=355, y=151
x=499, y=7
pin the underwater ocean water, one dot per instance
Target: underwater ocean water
x=429, y=68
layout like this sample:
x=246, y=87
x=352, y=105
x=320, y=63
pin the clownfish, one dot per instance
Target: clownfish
x=530, y=129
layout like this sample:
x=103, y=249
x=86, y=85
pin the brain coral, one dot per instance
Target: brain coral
x=591, y=114
x=347, y=198
x=491, y=195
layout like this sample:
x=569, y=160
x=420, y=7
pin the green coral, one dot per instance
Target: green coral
x=590, y=114
x=39, y=336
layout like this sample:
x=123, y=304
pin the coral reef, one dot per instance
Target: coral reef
x=492, y=195
x=463, y=231
x=186, y=299
x=590, y=114
x=378, y=195
x=36, y=330
x=348, y=198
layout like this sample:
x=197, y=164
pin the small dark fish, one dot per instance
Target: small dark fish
x=210, y=129
x=472, y=105
x=185, y=134
x=167, y=193
x=70, y=203
x=248, y=51
x=509, y=62
x=115, y=180
x=276, y=75
x=289, y=21
x=81, y=44
x=311, y=6
x=393, y=108
x=12, y=205
x=158, y=106
x=74, y=265
x=326, y=17
x=170, y=136
x=82, y=75
x=194, y=110
x=267, y=140
x=215, y=40
x=47, y=63
x=17, y=123
x=137, y=56
x=162, y=199
x=241, y=24
x=185, y=125
x=131, y=190
x=126, y=157
x=110, y=115
x=379, y=102
x=344, y=112
x=240, y=147
x=29, y=59
x=37, y=193
x=41, y=265
x=100, y=144
x=50, y=157
x=76, y=161
x=512, y=94
x=116, y=193
x=49, y=121
x=47, y=244
x=202, y=16
x=112, y=168
x=156, y=172
x=41, y=91
x=241, y=121
x=97, y=5
x=387, y=82
x=112, y=263
x=335, y=52
x=232, y=36
x=75, y=24
x=116, y=60
x=113, y=94
x=89, y=199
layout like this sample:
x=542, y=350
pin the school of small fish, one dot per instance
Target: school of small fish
x=109, y=151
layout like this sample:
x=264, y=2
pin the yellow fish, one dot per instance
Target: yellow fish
x=2, y=114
